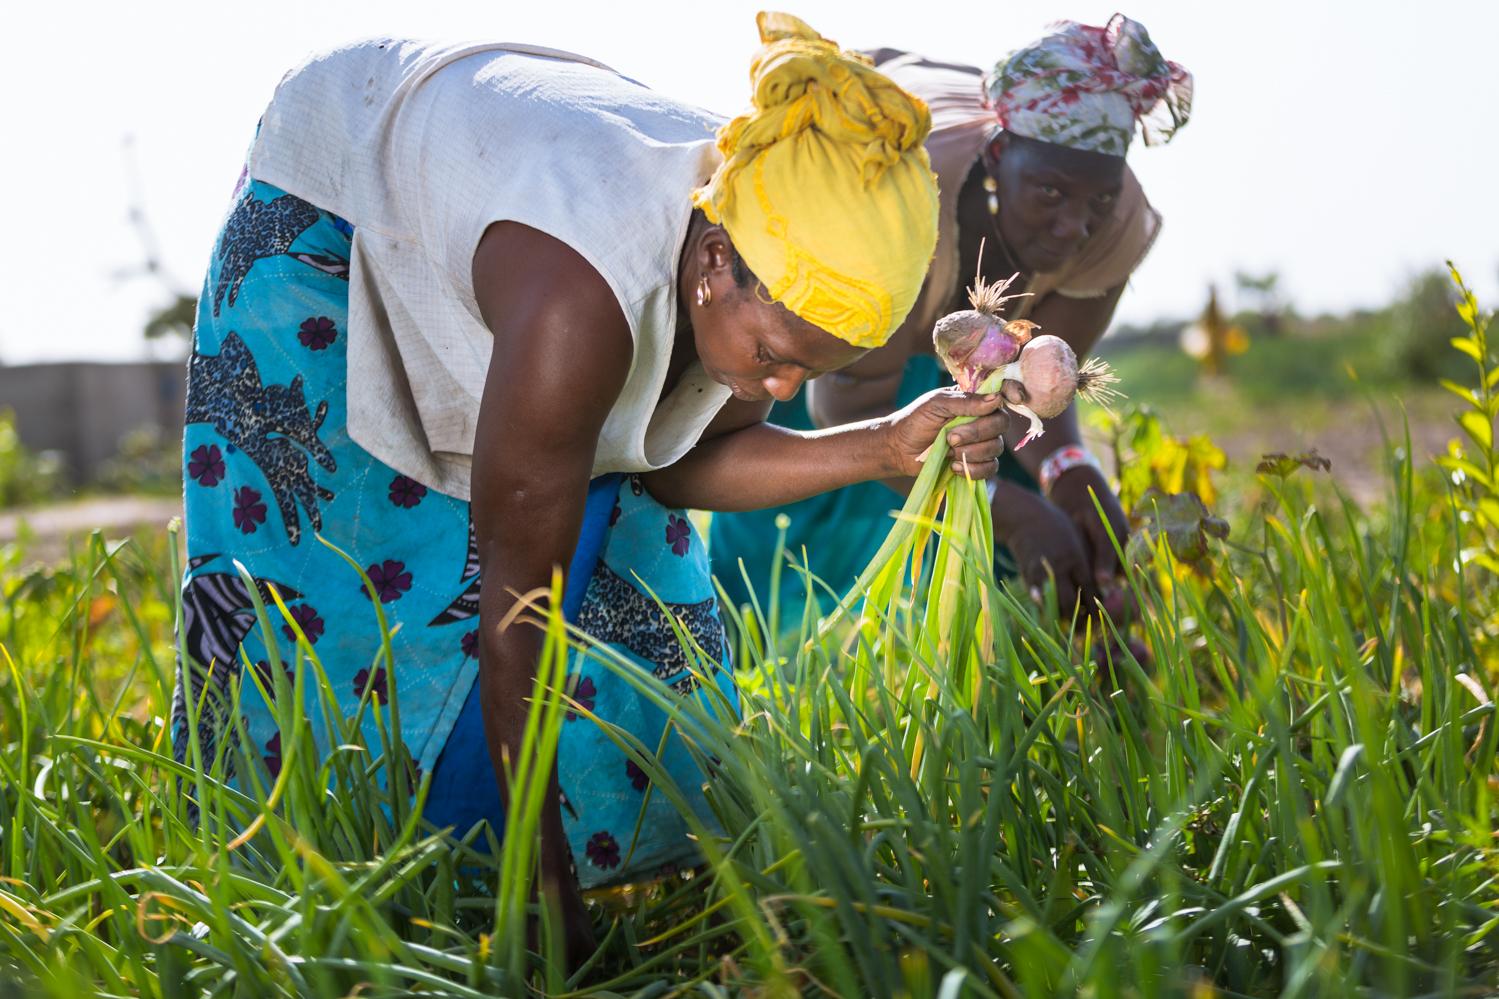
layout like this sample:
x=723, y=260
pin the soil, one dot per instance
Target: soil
x=1355, y=448
x=48, y=530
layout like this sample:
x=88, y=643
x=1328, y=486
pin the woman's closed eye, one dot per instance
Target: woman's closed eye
x=765, y=359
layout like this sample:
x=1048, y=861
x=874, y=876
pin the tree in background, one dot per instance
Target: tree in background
x=1423, y=323
x=1270, y=308
x=174, y=319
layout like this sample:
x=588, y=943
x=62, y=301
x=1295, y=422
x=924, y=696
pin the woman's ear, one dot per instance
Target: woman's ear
x=715, y=249
x=993, y=149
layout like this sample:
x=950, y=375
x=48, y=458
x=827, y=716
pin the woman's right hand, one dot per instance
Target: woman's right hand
x=1046, y=546
x=975, y=446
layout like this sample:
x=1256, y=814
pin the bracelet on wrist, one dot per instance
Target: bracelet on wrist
x=1064, y=459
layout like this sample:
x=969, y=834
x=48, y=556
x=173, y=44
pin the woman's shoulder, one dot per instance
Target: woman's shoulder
x=953, y=92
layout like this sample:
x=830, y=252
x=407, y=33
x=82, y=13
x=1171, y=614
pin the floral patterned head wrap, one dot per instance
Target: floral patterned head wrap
x=825, y=187
x=1085, y=87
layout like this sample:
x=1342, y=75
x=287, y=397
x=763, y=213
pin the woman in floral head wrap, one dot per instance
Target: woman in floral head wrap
x=1088, y=88
x=1031, y=162
x=481, y=311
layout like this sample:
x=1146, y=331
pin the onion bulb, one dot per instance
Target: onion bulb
x=1037, y=376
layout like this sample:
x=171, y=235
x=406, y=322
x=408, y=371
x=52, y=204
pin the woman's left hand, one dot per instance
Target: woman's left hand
x=975, y=447
x=1074, y=492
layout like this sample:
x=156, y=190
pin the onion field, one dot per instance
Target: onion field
x=1276, y=778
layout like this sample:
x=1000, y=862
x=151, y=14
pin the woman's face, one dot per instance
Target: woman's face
x=1051, y=198
x=753, y=345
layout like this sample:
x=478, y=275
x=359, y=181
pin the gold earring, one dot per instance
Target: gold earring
x=704, y=292
x=992, y=187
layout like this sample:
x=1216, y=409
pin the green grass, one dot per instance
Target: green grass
x=1338, y=388
x=1292, y=790
x=1296, y=796
x=1307, y=380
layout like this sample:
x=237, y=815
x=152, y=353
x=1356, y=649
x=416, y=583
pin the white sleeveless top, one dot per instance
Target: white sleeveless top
x=420, y=147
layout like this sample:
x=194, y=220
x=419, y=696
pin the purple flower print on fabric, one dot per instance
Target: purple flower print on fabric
x=678, y=534
x=390, y=579
x=376, y=685
x=406, y=492
x=638, y=778
x=268, y=679
x=317, y=333
x=273, y=756
x=307, y=617
x=603, y=851
x=249, y=511
x=583, y=691
x=206, y=466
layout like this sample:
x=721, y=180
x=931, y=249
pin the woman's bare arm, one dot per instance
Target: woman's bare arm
x=561, y=354
x=745, y=464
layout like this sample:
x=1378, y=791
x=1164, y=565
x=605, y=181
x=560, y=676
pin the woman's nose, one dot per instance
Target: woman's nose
x=783, y=388
x=1071, y=223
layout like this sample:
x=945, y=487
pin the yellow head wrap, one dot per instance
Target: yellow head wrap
x=825, y=187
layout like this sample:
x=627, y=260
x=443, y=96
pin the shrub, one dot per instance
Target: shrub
x=25, y=478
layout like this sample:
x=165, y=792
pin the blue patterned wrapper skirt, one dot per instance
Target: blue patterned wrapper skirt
x=270, y=469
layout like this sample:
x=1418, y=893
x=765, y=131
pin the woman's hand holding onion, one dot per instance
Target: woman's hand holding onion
x=975, y=446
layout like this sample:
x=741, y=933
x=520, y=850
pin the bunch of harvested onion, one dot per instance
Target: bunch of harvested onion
x=1038, y=377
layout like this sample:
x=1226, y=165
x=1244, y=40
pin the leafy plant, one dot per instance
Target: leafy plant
x=147, y=462
x=1474, y=465
x=25, y=477
x=1148, y=458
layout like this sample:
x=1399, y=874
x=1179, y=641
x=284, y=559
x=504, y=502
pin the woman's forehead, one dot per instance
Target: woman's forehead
x=1096, y=181
x=1035, y=157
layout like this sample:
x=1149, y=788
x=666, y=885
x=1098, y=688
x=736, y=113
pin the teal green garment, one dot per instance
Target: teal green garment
x=840, y=531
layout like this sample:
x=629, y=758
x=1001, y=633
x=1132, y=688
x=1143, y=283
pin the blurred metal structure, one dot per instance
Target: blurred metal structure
x=85, y=410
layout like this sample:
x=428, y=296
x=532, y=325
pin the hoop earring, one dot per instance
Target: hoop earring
x=704, y=292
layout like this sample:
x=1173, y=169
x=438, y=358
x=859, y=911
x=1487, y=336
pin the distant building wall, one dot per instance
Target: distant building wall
x=85, y=410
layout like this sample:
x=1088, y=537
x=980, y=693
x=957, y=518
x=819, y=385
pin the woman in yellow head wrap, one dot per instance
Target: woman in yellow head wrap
x=825, y=188
x=481, y=311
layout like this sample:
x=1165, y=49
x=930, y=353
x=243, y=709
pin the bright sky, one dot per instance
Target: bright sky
x=1345, y=144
